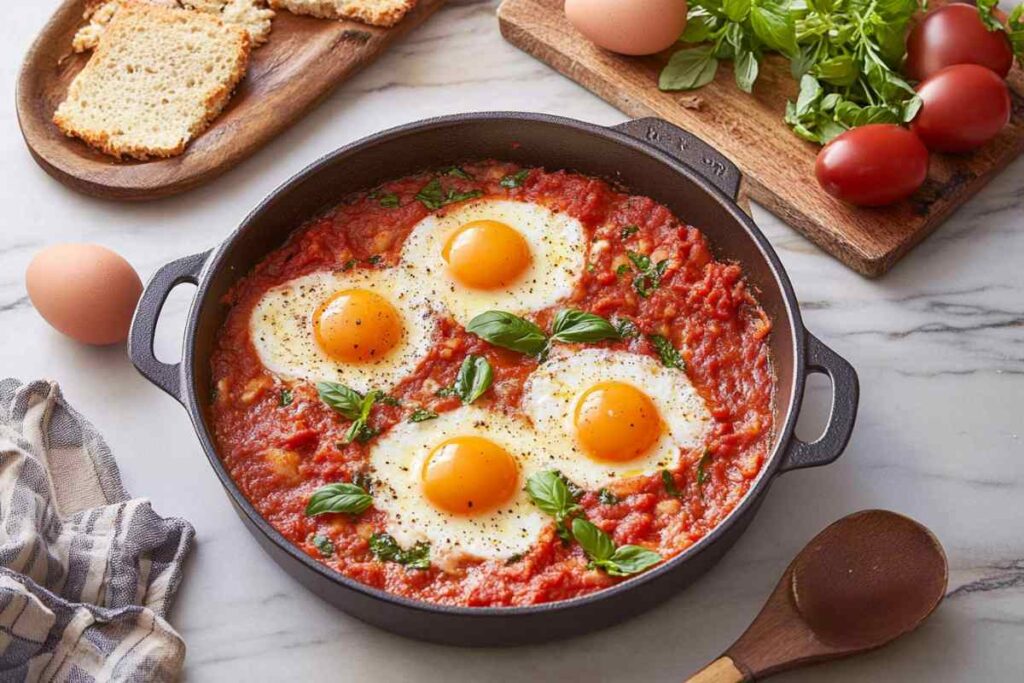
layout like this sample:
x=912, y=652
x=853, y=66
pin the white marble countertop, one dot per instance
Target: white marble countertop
x=938, y=343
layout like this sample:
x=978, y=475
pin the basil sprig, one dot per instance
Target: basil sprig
x=550, y=492
x=433, y=196
x=649, y=276
x=670, y=356
x=386, y=549
x=518, y=334
x=616, y=561
x=341, y=497
x=351, y=405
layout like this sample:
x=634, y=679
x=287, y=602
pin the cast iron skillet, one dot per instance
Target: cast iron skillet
x=648, y=156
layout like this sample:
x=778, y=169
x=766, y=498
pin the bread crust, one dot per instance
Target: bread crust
x=384, y=13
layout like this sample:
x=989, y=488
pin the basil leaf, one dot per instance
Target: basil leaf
x=642, y=262
x=702, y=468
x=688, y=70
x=474, y=378
x=347, y=498
x=286, y=398
x=458, y=172
x=389, y=200
x=606, y=497
x=985, y=8
x=578, y=326
x=628, y=232
x=630, y=559
x=842, y=70
x=736, y=10
x=549, y=492
x=347, y=402
x=432, y=195
x=597, y=544
x=622, y=269
x=348, y=265
x=745, y=69
x=627, y=329
x=422, y=415
x=386, y=549
x=509, y=332
x=375, y=260
x=699, y=25
x=323, y=545
x=514, y=180
x=810, y=94
x=575, y=490
x=670, y=356
x=912, y=106
x=773, y=28
x=670, y=484
x=454, y=196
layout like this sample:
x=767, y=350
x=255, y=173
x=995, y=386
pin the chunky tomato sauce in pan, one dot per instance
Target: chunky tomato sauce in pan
x=280, y=442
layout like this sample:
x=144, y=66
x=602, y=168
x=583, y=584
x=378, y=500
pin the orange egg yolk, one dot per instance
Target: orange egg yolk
x=616, y=422
x=487, y=254
x=469, y=475
x=357, y=326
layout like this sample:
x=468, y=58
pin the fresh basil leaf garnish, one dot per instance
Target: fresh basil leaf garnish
x=689, y=69
x=670, y=484
x=670, y=356
x=575, y=490
x=386, y=549
x=286, y=398
x=626, y=328
x=548, y=491
x=649, y=274
x=622, y=561
x=322, y=544
x=344, y=498
x=509, y=332
x=434, y=197
x=458, y=172
x=388, y=200
x=422, y=415
x=514, y=180
x=606, y=497
x=347, y=402
x=578, y=326
x=474, y=378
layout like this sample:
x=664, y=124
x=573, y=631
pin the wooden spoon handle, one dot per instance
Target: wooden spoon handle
x=722, y=670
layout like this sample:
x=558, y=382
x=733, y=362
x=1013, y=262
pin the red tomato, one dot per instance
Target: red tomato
x=952, y=35
x=964, y=107
x=873, y=165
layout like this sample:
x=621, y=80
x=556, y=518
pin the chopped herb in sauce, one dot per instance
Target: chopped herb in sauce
x=606, y=497
x=514, y=180
x=629, y=231
x=323, y=545
x=670, y=356
x=386, y=549
x=422, y=415
x=286, y=398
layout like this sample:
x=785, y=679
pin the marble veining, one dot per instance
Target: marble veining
x=938, y=343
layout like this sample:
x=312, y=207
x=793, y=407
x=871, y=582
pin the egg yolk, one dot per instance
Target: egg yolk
x=616, y=422
x=357, y=326
x=469, y=475
x=487, y=254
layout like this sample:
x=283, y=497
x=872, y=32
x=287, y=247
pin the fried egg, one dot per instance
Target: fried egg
x=456, y=482
x=493, y=254
x=606, y=415
x=366, y=329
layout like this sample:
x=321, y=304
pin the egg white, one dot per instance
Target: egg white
x=554, y=389
x=397, y=458
x=281, y=329
x=557, y=245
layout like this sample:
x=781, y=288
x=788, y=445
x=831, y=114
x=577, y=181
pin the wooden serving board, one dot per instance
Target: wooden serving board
x=304, y=60
x=778, y=167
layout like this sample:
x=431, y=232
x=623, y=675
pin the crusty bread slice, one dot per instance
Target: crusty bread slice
x=156, y=80
x=252, y=15
x=375, y=12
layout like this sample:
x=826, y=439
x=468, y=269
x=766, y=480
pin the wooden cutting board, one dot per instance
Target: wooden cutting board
x=778, y=167
x=304, y=60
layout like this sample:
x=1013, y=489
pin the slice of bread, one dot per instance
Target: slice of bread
x=252, y=15
x=375, y=12
x=157, y=79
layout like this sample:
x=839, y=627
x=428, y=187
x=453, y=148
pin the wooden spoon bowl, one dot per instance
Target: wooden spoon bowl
x=861, y=583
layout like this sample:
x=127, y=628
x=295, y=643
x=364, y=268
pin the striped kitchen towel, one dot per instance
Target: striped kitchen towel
x=87, y=574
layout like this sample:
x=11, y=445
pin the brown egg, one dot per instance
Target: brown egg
x=629, y=27
x=84, y=291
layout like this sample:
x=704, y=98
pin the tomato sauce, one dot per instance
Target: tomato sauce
x=280, y=442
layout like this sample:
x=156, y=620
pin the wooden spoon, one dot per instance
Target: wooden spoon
x=860, y=584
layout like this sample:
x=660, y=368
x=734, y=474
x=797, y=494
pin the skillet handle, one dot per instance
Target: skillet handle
x=842, y=416
x=686, y=147
x=140, y=339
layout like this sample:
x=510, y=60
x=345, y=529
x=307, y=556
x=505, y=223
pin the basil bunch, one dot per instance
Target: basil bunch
x=352, y=405
x=845, y=53
x=550, y=492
